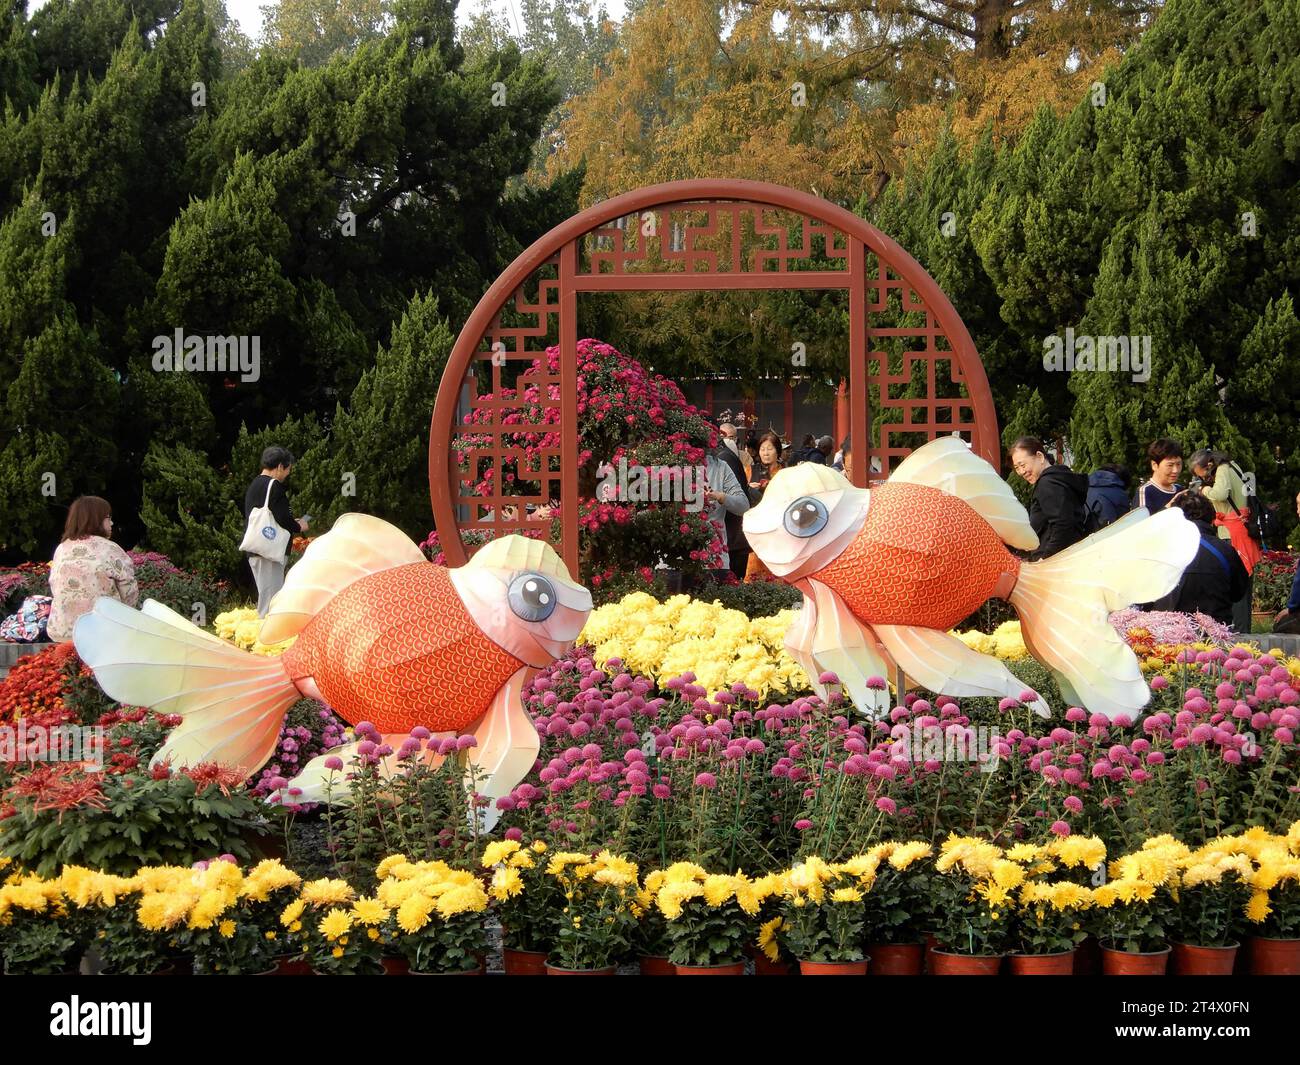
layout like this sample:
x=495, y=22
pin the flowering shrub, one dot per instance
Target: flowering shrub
x=339, y=933
x=18, y=582
x=623, y=413
x=1135, y=911
x=1055, y=893
x=37, y=684
x=972, y=896
x=1272, y=579
x=58, y=814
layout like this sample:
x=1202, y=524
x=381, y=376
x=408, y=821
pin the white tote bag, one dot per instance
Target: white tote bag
x=264, y=535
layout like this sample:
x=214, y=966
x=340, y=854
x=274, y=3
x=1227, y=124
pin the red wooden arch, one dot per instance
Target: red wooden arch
x=697, y=235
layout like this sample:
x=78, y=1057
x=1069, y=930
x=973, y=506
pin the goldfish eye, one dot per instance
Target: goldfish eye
x=531, y=597
x=805, y=517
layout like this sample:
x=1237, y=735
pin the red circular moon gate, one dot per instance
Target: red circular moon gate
x=692, y=235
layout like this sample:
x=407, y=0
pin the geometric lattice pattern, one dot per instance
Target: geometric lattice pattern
x=913, y=375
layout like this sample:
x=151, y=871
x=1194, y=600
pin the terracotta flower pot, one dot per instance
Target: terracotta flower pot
x=1190, y=960
x=395, y=965
x=833, y=968
x=947, y=964
x=763, y=967
x=656, y=965
x=1060, y=963
x=930, y=942
x=737, y=969
x=1124, y=963
x=523, y=962
x=274, y=970
x=896, y=959
x=552, y=970
x=292, y=967
x=1274, y=957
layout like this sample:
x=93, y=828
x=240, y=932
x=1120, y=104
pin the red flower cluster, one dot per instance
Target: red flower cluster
x=36, y=684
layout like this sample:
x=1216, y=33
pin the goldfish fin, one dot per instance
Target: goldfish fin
x=1068, y=695
x=948, y=464
x=943, y=664
x=849, y=649
x=506, y=750
x=357, y=546
x=232, y=703
x=799, y=639
x=1065, y=602
x=317, y=783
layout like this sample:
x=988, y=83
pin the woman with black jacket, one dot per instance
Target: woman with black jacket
x=1060, y=495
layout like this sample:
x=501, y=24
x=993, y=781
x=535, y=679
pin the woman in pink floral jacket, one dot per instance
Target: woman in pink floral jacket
x=87, y=564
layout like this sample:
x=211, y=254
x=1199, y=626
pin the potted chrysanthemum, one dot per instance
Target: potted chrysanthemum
x=1050, y=904
x=710, y=917
x=37, y=935
x=595, y=927
x=1273, y=910
x=439, y=916
x=971, y=905
x=898, y=908
x=526, y=900
x=1133, y=913
x=335, y=939
x=267, y=888
x=1213, y=888
x=824, y=911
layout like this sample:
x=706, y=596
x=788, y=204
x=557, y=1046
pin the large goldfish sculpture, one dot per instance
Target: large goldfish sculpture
x=382, y=635
x=887, y=571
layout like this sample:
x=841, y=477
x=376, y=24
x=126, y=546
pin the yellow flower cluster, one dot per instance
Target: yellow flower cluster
x=719, y=645
x=968, y=854
x=241, y=627
x=1266, y=862
x=672, y=889
x=420, y=891
x=1005, y=642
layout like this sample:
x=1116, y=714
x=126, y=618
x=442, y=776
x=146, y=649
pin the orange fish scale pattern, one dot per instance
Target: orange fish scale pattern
x=922, y=558
x=399, y=649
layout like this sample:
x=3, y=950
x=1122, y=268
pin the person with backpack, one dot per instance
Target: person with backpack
x=267, y=492
x=1107, y=497
x=1057, y=510
x=1222, y=482
x=1166, y=457
x=1215, y=579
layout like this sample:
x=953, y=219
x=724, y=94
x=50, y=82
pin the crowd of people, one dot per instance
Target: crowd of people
x=1067, y=506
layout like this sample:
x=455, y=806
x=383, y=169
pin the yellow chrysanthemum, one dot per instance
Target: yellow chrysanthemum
x=226, y=928
x=292, y=913
x=1258, y=907
x=767, y=942
x=369, y=911
x=327, y=892
x=464, y=898
x=414, y=913
x=335, y=924
x=846, y=894
x=498, y=851
x=506, y=884
x=718, y=889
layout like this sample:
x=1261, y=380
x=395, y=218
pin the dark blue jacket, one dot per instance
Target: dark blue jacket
x=1107, y=497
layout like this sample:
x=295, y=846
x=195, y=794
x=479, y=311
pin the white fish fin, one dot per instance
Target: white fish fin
x=848, y=648
x=356, y=546
x=942, y=663
x=948, y=464
x=1065, y=603
x=507, y=747
x=799, y=639
x=232, y=702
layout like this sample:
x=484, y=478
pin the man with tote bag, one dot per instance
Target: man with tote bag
x=271, y=525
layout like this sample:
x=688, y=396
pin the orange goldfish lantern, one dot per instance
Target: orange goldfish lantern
x=382, y=636
x=887, y=571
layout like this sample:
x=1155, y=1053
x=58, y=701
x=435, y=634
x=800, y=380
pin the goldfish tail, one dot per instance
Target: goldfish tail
x=1065, y=602
x=232, y=703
